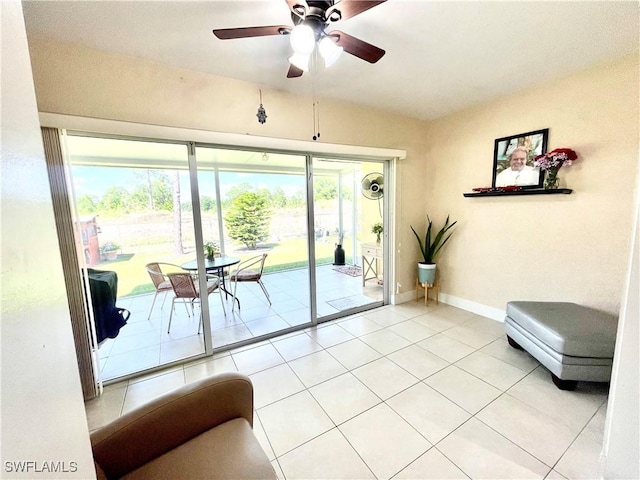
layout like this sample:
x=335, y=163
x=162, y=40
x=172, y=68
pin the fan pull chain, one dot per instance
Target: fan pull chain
x=316, y=120
x=313, y=108
x=318, y=110
x=316, y=103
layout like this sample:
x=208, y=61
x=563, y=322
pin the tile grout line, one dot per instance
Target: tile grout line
x=382, y=401
x=578, y=436
x=386, y=356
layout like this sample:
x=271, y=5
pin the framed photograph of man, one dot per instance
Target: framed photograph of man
x=513, y=159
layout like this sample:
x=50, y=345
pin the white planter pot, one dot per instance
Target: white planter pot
x=427, y=273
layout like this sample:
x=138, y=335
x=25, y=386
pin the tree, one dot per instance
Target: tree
x=346, y=192
x=115, y=199
x=139, y=199
x=144, y=192
x=86, y=205
x=177, y=215
x=247, y=219
x=162, y=192
x=237, y=190
x=153, y=191
x=325, y=188
x=297, y=200
x=149, y=191
x=278, y=198
x=207, y=204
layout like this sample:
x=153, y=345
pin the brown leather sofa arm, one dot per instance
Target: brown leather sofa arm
x=171, y=420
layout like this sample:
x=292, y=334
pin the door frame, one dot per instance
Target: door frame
x=133, y=131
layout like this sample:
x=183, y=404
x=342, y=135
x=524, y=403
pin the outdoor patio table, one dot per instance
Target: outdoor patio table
x=218, y=264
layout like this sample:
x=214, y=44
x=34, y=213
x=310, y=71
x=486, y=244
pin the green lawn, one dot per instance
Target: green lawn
x=133, y=279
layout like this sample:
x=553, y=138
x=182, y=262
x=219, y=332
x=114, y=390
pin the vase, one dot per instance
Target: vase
x=426, y=273
x=338, y=255
x=551, y=179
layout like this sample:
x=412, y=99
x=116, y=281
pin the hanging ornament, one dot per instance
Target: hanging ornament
x=262, y=114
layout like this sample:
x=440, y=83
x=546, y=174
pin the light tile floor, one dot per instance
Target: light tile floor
x=144, y=342
x=403, y=391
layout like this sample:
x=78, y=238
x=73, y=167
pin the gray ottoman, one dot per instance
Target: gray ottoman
x=574, y=342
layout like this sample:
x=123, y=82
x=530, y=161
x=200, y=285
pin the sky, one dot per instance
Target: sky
x=95, y=181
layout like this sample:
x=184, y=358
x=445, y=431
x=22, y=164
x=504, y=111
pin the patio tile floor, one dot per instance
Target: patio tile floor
x=144, y=342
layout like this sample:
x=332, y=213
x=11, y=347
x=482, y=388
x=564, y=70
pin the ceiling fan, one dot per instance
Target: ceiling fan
x=311, y=19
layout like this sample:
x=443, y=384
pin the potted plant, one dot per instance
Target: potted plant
x=110, y=250
x=430, y=249
x=377, y=229
x=211, y=250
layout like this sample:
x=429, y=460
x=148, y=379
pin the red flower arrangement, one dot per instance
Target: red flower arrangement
x=552, y=162
x=555, y=159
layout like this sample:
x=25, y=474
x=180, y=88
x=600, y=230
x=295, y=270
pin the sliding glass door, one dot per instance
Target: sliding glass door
x=292, y=242
x=253, y=205
x=134, y=217
x=345, y=213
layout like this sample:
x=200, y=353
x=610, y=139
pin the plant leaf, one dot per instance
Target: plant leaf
x=439, y=243
x=432, y=245
x=419, y=242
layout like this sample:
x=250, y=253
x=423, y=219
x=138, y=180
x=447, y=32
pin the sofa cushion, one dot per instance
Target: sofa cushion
x=567, y=328
x=100, y=475
x=229, y=450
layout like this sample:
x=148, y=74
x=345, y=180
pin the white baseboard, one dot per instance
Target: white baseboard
x=403, y=297
x=473, y=307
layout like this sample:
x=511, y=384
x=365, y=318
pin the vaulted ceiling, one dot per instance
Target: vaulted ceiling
x=441, y=56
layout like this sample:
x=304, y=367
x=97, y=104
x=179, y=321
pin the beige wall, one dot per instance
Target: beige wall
x=86, y=82
x=555, y=247
x=43, y=416
x=545, y=247
x=80, y=81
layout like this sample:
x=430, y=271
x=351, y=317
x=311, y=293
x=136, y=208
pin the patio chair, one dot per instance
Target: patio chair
x=186, y=290
x=160, y=280
x=245, y=273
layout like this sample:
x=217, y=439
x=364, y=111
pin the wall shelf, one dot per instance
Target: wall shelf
x=519, y=192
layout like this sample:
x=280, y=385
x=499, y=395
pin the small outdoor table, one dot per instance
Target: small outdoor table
x=217, y=265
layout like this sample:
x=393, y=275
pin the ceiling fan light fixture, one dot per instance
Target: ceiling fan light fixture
x=300, y=60
x=309, y=21
x=303, y=39
x=329, y=51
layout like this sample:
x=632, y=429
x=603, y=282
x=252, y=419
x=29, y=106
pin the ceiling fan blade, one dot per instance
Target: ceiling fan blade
x=294, y=72
x=357, y=47
x=351, y=8
x=246, y=32
x=299, y=7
